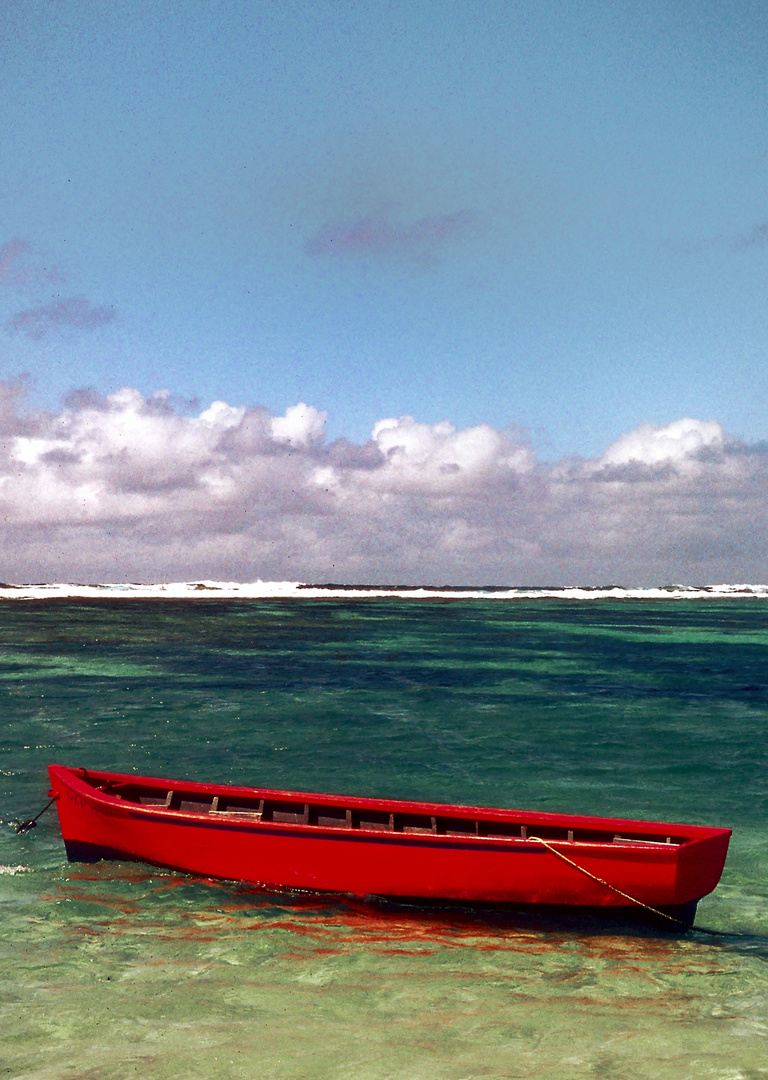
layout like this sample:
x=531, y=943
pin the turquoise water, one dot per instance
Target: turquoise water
x=628, y=708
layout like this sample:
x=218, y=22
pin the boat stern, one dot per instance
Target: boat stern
x=700, y=866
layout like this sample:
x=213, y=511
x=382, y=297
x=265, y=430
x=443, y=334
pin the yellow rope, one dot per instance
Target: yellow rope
x=607, y=884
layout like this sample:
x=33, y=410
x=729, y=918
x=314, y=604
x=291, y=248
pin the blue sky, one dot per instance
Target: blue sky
x=552, y=215
x=538, y=229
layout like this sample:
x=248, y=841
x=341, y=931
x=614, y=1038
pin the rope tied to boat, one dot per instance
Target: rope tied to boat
x=602, y=881
x=25, y=826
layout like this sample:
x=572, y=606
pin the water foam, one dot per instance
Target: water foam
x=267, y=590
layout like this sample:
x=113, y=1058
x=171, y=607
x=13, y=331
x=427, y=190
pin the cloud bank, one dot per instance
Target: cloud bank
x=125, y=487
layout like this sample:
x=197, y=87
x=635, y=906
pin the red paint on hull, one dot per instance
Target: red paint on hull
x=375, y=847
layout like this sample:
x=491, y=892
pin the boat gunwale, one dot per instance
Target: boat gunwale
x=612, y=849
x=79, y=778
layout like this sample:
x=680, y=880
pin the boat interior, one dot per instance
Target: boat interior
x=333, y=815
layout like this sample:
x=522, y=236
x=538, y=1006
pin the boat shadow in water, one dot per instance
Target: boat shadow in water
x=445, y=920
x=539, y=918
x=234, y=906
x=585, y=923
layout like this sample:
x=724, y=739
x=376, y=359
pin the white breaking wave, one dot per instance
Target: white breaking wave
x=266, y=590
x=11, y=870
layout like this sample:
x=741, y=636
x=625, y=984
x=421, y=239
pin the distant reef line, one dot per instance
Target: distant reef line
x=298, y=590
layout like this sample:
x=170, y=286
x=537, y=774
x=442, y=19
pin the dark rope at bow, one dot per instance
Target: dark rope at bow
x=25, y=826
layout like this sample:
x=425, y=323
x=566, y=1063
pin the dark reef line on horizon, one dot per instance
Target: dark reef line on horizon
x=275, y=590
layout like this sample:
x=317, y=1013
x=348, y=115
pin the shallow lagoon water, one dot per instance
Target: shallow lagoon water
x=630, y=708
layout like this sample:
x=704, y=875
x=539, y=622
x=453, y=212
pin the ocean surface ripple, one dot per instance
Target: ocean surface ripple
x=627, y=705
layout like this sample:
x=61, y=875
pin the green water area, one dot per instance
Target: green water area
x=630, y=708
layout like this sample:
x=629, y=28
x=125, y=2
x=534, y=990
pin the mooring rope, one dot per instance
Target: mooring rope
x=25, y=826
x=602, y=881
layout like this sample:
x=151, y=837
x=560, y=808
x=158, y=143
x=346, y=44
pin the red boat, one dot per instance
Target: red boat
x=380, y=847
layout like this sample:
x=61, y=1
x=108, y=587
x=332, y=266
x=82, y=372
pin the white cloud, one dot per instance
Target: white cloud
x=127, y=487
x=301, y=425
x=440, y=457
x=223, y=416
x=677, y=442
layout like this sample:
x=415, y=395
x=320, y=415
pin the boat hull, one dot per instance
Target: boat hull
x=399, y=862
